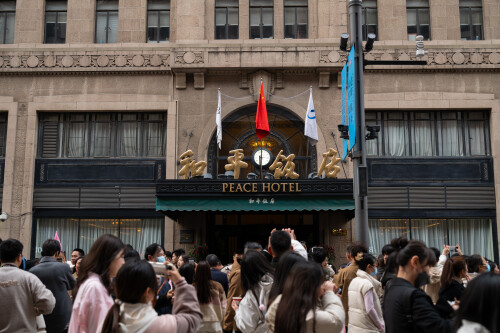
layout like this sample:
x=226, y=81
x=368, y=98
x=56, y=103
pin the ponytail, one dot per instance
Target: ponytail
x=452, y=269
x=110, y=324
x=405, y=250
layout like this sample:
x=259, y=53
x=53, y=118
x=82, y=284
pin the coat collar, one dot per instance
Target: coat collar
x=47, y=259
x=364, y=275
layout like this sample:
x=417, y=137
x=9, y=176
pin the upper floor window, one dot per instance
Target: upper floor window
x=226, y=19
x=3, y=133
x=261, y=19
x=87, y=135
x=55, y=21
x=106, y=23
x=7, y=20
x=471, y=19
x=423, y=133
x=295, y=18
x=158, y=21
x=369, y=18
x=418, y=19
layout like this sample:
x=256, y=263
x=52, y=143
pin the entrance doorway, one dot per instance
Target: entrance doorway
x=229, y=231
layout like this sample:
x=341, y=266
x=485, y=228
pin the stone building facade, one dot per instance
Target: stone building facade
x=44, y=85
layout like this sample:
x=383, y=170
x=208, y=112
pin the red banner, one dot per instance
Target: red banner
x=262, y=124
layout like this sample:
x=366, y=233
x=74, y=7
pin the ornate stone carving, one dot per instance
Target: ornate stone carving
x=138, y=60
x=120, y=61
x=494, y=58
x=85, y=61
x=102, y=61
x=49, y=61
x=458, y=58
x=189, y=58
x=67, y=61
x=155, y=61
x=32, y=61
x=15, y=62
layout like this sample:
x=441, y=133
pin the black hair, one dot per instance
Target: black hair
x=253, y=267
x=130, y=284
x=132, y=255
x=405, y=250
x=80, y=251
x=212, y=260
x=10, y=249
x=50, y=247
x=202, y=279
x=282, y=272
x=318, y=254
x=187, y=271
x=357, y=247
x=238, y=250
x=479, y=302
x=267, y=255
x=493, y=265
x=252, y=246
x=151, y=250
x=280, y=242
x=301, y=291
x=387, y=249
x=178, y=252
x=365, y=260
x=452, y=269
x=436, y=252
x=168, y=254
x=474, y=262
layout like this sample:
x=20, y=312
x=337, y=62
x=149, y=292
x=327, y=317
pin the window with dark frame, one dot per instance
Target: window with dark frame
x=55, y=21
x=295, y=19
x=418, y=19
x=226, y=19
x=7, y=21
x=3, y=133
x=430, y=133
x=261, y=19
x=158, y=21
x=369, y=18
x=102, y=135
x=106, y=23
x=471, y=20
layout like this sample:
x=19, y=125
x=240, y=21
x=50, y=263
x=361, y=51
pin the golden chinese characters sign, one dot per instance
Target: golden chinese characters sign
x=190, y=167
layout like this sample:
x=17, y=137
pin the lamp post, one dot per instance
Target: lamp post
x=359, y=149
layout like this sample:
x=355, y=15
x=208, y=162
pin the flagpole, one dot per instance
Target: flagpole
x=260, y=159
x=307, y=157
x=216, y=143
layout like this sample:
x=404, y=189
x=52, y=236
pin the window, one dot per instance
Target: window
x=422, y=133
x=471, y=20
x=7, y=20
x=102, y=135
x=158, y=21
x=106, y=26
x=55, y=21
x=418, y=19
x=474, y=235
x=296, y=19
x=226, y=19
x=369, y=18
x=83, y=232
x=3, y=133
x=261, y=19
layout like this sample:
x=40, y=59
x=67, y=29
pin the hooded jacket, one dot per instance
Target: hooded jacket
x=250, y=317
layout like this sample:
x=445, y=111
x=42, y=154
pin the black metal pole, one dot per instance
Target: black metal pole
x=359, y=156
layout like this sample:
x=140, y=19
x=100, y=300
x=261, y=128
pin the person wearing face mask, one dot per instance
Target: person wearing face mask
x=477, y=265
x=407, y=308
x=365, y=311
x=163, y=305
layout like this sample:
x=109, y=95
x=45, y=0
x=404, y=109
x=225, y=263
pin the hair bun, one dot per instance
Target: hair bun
x=399, y=243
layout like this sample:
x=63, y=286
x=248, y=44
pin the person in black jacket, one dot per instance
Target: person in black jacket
x=407, y=308
x=452, y=288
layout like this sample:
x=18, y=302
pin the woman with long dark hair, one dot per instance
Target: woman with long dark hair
x=282, y=272
x=135, y=288
x=452, y=288
x=211, y=297
x=256, y=282
x=307, y=304
x=407, y=308
x=479, y=306
x=92, y=294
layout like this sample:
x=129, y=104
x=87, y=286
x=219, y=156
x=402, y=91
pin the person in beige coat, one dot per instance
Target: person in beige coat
x=365, y=311
x=306, y=293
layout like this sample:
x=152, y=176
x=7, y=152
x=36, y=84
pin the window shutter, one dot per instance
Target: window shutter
x=49, y=140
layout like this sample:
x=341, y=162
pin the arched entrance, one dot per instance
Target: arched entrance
x=238, y=132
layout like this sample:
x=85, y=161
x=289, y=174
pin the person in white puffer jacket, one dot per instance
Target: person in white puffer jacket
x=365, y=311
x=256, y=280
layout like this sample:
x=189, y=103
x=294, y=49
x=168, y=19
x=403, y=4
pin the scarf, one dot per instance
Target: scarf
x=136, y=317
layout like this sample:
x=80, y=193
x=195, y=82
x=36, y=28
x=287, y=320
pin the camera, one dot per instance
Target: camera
x=3, y=216
x=453, y=249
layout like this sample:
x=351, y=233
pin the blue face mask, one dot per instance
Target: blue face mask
x=160, y=259
x=488, y=267
x=374, y=273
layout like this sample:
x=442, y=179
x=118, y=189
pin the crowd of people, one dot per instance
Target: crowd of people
x=283, y=288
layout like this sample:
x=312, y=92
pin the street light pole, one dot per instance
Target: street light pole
x=359, y=149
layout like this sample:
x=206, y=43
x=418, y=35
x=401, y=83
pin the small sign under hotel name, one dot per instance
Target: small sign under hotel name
x=261, y=187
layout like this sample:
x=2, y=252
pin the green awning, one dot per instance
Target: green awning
x=252, y=204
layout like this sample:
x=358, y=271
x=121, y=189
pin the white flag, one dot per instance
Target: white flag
x=218, y=120
x=310, y=130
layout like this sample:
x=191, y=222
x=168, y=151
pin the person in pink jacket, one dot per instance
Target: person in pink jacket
x=92, y=294
x=135, y=288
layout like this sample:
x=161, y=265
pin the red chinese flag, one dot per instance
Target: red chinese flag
x=261, y=120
